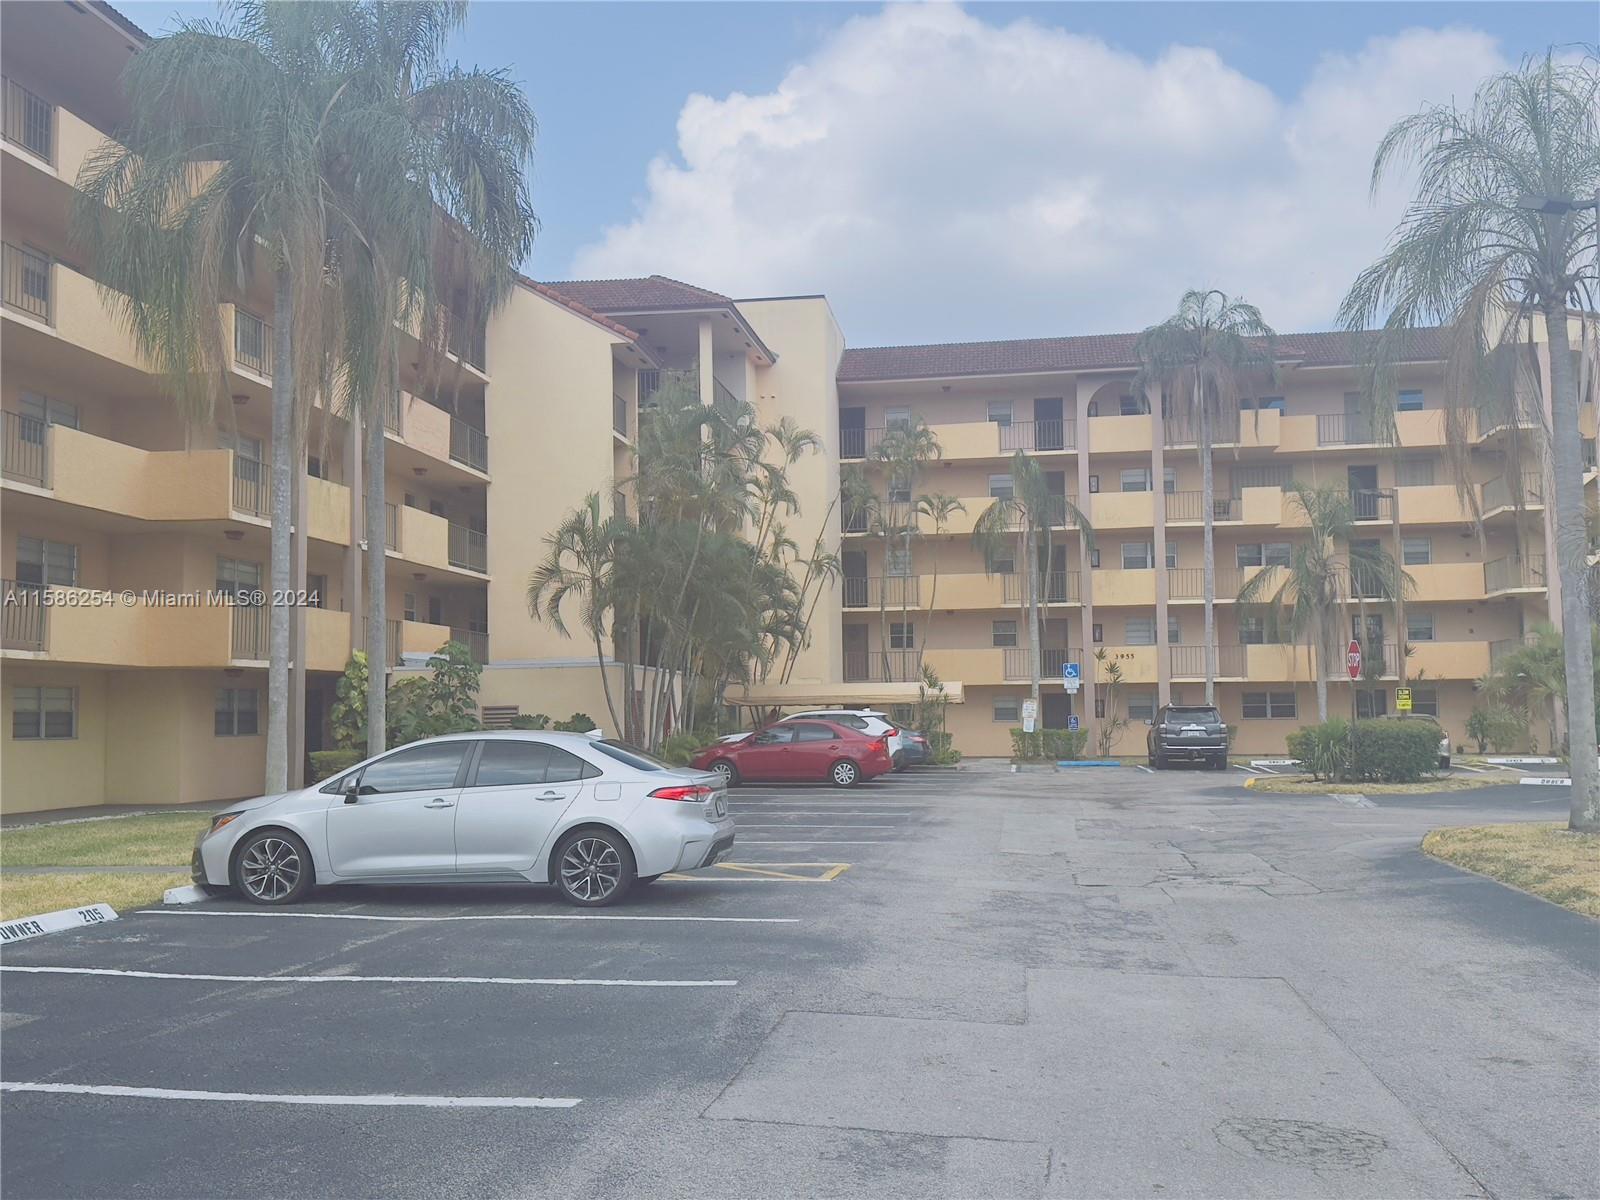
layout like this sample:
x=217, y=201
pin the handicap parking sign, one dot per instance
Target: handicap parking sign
x=1072, y=724
x=1070, y=671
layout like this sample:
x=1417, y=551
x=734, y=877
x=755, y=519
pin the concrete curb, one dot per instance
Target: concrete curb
x=188, y=894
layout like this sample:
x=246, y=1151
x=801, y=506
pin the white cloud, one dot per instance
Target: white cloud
x=944, y=178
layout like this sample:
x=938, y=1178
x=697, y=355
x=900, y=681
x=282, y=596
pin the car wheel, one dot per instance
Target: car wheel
x=844, y=773
x=1220, y=763
x=594, y=867
x=272, y=866
x=726, y=769
x=1158, y=762
x=898, y=762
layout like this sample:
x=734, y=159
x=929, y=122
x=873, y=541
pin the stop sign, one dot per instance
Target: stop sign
x=1352, y=659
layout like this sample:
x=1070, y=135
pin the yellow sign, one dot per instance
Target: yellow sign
x=1402, y=699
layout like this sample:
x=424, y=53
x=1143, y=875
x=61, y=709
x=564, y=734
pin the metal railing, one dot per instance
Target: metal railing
x=30, y=121
x=619, y=415
x=882, y=666
x=469, y=548
x=252, y=343
x=1368, y=504
x=27, y=281
x=393, y=641
x=25, y=626
x=1189, y=662
x=1185, y=430
x=1502, y=647
x=1188, y=583
x=1496, y=492
x=892, y=591
x=248, y=632
x=858, y=443
x=1505, y=574
x=393, y=415
x=1524, y=412
x=251, y=492
x=466, y=343
x=1344, y=429
x=1190, y=506
x=1058, y=587
x=469, y=445
x=1377, y=660
x=1016, y=661
x=854, y=520
x=391, y=526
x=477, y=643
x=1038, y=435
x=27, y=449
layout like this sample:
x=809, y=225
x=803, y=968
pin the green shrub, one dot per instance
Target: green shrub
x=1026, y=747
x=578, y=722
x=1064, y=744
x=1394, y=751
x=1324, y=749
x=1498, y=728
x=531, y=721
x=948, y=757
x=680, y=747
x=325, y=764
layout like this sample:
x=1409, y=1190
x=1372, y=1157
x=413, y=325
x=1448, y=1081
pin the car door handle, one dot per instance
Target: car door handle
x=548, y=796
x=440, y=802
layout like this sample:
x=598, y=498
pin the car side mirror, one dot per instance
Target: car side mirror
x=1149, y=722
x=352, y=789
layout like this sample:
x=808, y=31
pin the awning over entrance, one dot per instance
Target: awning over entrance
x=849, y=695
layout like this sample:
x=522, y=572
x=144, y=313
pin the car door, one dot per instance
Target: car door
x=764, y=756
x=401, y=819
x=815, y=748
x=515, y=797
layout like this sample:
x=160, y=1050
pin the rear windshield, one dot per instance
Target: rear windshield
x=1194, y=714
x=638, y=759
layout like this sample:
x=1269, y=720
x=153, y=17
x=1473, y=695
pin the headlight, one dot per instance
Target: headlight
x=221, y=819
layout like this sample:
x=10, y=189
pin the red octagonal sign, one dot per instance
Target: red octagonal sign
x=1352, y=659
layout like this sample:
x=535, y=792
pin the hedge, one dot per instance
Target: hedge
x=327, y=763
x=1397, y=751
x=1051, y=744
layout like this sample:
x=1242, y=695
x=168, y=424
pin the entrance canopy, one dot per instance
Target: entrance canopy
x=844, y=695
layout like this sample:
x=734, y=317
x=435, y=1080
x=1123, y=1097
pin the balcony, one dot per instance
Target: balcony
x=874, y=591
x=619, y=416
x=1037, y=436
x=1514, y=574
x=1503, y=414
x=1124, y=587
x=83, y=626
x=1371, y=504
x=469, y=548
x=251, y=489
x=394, y=415
x=1226, y=430
x=30, y=121
x=469, y=445
x=247, y=632
x=27, y=450
x=1123, y=510
x=252, y=344
x=476, y=642
x=28, y=281
x=1059, y=587
x=1018, y=661
x=23, y=616
x=1188, y=583
x=1189, y=662
x=1190, y=508
x=882, y=666
x=1345, y=429
x=858, y=443
x=1496, y=494
x=1502, y=648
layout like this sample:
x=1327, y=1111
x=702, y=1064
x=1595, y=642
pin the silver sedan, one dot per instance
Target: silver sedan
x=592, y=816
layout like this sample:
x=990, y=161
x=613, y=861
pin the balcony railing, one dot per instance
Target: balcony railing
x=891, y=591
x=1496, y=492
x=1016, y=661
x=469, y=445
x=27, y=281
x=1503, y=413
x=1505, y=646
x=1189, y=662
x=1185, y=430
x=251, y=493
x=469, y=548
x=854, y=520
x=393, y=414
x=1344, y=429
x=30, y=121
x=27, y=449
x=858, y=443
x=252, y=343
x=1039, y=435
x=477, y=643
x=24, y=616
x=1188, y=583
x=248, y=632
x=466, y=342
x=391, y=526
x=1507, y=574
x=1059, y=587
x=882, y=666
x=1369, y=504
x=619, y=415
x=1190, y=506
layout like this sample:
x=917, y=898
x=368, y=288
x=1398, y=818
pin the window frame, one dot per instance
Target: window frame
x=47, y=547
x=902, y=635
x=1409, y=400
x=996, y=633
x=230, y=712
x=995, y=417
x=1138, y=631
x=1424, y=543
x=1149, y=556
x=1011, y=703
x=1270, y=706
x=1421, y=614
x=41, y=713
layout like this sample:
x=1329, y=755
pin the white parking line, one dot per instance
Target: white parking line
x=178, y=912
x=820, y=842
x=371, y=1101
x=492, y=979
x=812, y=825
x=1144, y=768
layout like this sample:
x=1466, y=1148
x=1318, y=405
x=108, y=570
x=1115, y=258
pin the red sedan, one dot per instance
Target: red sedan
x=799, y=750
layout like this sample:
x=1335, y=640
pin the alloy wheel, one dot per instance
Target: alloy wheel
x=591, y=869
x=725, y=770
x=270, y=869
x=844, y=773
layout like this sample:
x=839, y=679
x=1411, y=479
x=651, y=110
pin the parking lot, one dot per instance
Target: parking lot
x=945, y=983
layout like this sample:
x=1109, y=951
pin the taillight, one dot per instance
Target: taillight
x=881, y=744
x=693, y=793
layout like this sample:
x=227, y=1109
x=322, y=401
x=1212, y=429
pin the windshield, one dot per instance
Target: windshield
x=1194, y=714
x=634, y=757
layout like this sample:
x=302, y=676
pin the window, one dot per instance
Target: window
x=317, y=585
x=1414, y=472
x=1100, y=706
x=415, y=769
x=1419, y=626
x=1139, y=631
x=1174, y=631
x=512, y=764
x=237, y=713
x=1000, y=487
x=45, y=411
x=902, y=635
x=1003, y=566
x=1425, y=702
x=804, y=732
x=897, y=418
x=1138, y=556
x=904, y=715
x=1416, y=551
x=242, y=445
x=1169, y=480
x=1132, y=406
x=1007, y=709
x=1094, y=484
x=1275, y=403
x=1172, y=556
x=235, y=575
x=1000, y=413
x=1098, y=633
x=43, y=563
x=44, y=712
x=1094, y=556
x=1247, y=554
x=1136, y=479
x=408, y=606
x=631, y=755
x=1269, y=705
x=1371, y=702
x=1141, y=706
x=315, y=468
x=1276, y=554
x=1410, y=401
x=567, y=768
x=897, y=561
x=1004, y=633
x=1252, y=631
x=899, y=491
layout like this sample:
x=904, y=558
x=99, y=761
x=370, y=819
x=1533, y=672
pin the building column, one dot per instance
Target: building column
x=1158, y=484
x=1080, y=420
x=705, y=359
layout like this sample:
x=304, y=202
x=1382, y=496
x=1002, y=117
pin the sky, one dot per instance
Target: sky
x=950, y=173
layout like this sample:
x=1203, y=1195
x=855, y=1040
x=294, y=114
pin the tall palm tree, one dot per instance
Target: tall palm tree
x=1308, y=600
x=1027, y=515
x=1204, y=358
x=903, y=451
x=1474, y=255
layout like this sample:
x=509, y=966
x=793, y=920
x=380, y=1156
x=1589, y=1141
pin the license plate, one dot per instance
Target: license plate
x=720, y=805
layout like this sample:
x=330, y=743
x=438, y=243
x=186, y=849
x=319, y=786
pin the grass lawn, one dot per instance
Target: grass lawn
x=30, y=895
x=1304, y=785
x=1543, y=859
x=155, y=840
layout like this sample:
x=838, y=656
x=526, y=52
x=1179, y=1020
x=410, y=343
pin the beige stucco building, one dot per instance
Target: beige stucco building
x=113, y=696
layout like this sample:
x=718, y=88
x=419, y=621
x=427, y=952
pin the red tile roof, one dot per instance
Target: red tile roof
x=652, y=293
x=1095, y=352
x=577, y=306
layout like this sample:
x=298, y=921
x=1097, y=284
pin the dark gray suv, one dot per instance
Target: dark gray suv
x=1188, y=733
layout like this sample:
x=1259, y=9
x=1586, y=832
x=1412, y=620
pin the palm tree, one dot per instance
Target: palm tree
x=1482, y=253
x=1028, y=514
x=1533, y=677
x=1308, y=600
x=904, y=451
x=1204, y=358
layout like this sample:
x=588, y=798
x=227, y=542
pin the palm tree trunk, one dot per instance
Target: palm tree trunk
x=605, y=685
x=1033, y=615
x=1323, y=662
x=279, y=578
x=1208, y=552
x=1572, y=562
x=377, y=523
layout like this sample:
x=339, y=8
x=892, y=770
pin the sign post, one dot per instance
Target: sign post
x=1030, y=716
x=1071, y=677
x=1402, y=699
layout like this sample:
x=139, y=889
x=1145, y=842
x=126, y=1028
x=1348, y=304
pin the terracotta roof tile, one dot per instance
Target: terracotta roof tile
x=583, y=310
x=650, y=293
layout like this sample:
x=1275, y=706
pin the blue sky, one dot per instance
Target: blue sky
x=610, y=83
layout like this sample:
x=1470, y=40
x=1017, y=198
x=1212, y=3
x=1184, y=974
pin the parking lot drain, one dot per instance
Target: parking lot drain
x=148, y=1093
x=314, y=916
x=501, y=980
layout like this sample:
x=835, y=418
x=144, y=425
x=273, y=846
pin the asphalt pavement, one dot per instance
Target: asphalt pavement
x=1101, y=982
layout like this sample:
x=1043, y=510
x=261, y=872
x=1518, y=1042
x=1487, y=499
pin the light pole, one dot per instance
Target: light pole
x=1557, y=206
